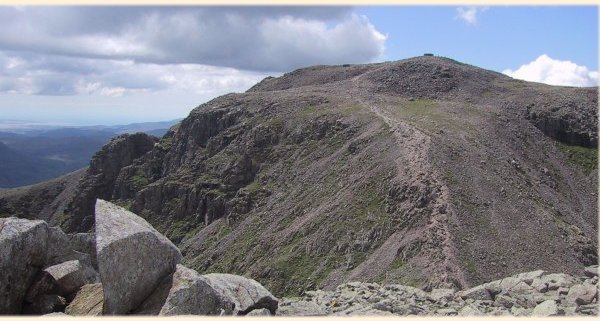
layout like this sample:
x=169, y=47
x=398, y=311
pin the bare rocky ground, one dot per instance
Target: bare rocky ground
x=536, y=293
x=424, y=172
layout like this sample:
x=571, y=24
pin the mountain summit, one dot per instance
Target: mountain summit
x=425, y=171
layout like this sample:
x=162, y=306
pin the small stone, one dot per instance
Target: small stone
x=529, y=277
x=447, y=311
x=545, y=309
x=522, y=288
x=557, y=280
x=438, y=294
x=300, y=308
x=505, y=301
x=384, y=305
x=582, y=294
x=591, y=271
x=259, y=313
x=476, y=293
x=469, y=311
x=539, y=285
x=588, y=309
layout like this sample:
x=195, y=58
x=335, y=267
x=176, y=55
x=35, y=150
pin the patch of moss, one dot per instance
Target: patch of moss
x=139, y=179
x=253, y=187
x=166, y=142
x=585, y=157
x=397, y=263
x=274, y=122
x=469, y=265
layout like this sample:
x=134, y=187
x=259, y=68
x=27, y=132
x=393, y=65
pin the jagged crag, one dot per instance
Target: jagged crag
x=426, y=172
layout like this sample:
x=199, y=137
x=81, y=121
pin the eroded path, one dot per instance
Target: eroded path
x=416, y=174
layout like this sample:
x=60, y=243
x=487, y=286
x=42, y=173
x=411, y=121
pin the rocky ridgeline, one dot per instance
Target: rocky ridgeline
x=536, y=293
x=126, y=267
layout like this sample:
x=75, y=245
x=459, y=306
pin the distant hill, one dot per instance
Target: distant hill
x=32, y=155
x=18, y=169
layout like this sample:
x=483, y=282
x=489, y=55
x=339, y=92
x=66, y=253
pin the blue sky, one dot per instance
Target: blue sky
x=502, y=36
x=109, y=65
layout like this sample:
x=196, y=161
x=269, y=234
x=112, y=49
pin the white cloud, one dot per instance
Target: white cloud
x=469, y=14
x=555, y=72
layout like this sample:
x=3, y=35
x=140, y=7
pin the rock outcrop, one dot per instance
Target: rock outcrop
x=23, y=246
x=132, y=257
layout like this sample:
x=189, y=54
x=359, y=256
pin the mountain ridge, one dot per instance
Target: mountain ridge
x=424, y=171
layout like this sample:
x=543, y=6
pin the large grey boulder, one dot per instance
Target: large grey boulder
x=22, y=252
x=133, y=258
x=247, y=294
x=186, y=293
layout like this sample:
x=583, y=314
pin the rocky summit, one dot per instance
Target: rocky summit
x=425, y=172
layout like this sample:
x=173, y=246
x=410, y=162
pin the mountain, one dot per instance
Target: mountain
x=425, y=172
x=49, y=153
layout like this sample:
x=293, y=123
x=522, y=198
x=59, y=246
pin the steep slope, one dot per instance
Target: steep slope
x=425, y=172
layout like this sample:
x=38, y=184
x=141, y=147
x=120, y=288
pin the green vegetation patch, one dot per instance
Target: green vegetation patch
x=427, y=114
x=585, y=157
x=139, y=179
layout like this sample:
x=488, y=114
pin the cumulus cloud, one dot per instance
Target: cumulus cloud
x=119, y=51
x=237, y=37
x=551, y=71
x=469, y=14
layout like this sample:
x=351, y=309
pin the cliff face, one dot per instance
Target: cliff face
x=424, y=171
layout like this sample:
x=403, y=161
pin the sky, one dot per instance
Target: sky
x=116, y=65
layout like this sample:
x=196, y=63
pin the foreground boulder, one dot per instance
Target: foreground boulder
x=186, y=292
x=22, y=252
x=133, y=258
x=247, y=294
